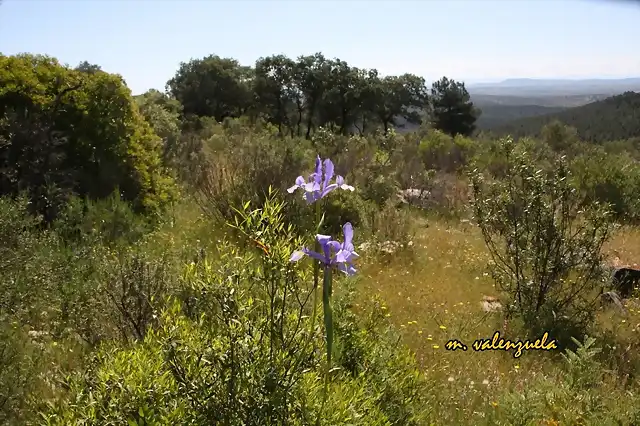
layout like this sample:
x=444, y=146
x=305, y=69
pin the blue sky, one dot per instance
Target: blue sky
x=474, y=40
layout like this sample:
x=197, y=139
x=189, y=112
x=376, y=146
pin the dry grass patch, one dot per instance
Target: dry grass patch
x=624, y=247
x=435, y=295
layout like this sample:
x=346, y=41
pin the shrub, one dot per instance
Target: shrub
x=122, y=386
x=242, y=166
x=570, y=397
x=393, y=231
x=445, y=153
x=109, y=221
x=347, y=207
x=66, y=132
x=134, y=286
x=546, y=251
x=18, y=372
x=241, y=346
x=609, y=178
x=368, y=347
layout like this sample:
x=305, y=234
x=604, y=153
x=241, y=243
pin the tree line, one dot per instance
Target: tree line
x=78, y=130
x=298, y=96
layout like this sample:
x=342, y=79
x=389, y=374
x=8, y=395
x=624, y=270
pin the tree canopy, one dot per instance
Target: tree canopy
x=213, y=86
x=69, y=132
x=300, y=95
x=453, y=111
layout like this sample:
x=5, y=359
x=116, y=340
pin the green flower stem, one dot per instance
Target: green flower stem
x=316, y=264
x=316, y=275
x=316, y=279
x=328, y=325
x=328, y=313
x=316, y=267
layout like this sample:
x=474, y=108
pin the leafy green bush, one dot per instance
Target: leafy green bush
x=122, y=386
x=368, y=348
x=109, y=221
x=66, y=132
x=241, y=167
x=445, y=153
x=393, y=231
x=18, y=372
x=579, y=394
x=609, y=178
x=379, y=188
x=347, y=207
x=242, y=348
x=545, y=247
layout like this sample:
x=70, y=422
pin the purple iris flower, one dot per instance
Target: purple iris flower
x=344, y=252
x=318, y=185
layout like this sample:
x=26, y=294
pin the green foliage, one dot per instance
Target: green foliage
x=241, y=165
x=345, y=207
x=299, y=96
x=572, y=399
x=403, y=96
x=18, y=368
x=368, y=348
x=546, y=250
x=442, y=152
x=559, y=137
x=393, y=226
x=495, y=115
x=582, y=364
x=67, y=277
x=110, y=221
x=163, y=114
x=134, y=287
x=453, y=111
x=122, y=386
x=65, y=132
x=110, y=317
x=239, y=349
x=17, y=229
x=379, y=188
x=213, y=86
x=28, y=267
x=609, y=178
x=276, y=90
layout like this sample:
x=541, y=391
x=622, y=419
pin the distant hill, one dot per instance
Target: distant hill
x=518, y=98
x=495, y=115
x=512, y=100
x=524, y=87
x=552, y=100
x=617, y=117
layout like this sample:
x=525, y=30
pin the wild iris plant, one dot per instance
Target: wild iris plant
x=318, y=185
x=344, y=252
x=328, y=253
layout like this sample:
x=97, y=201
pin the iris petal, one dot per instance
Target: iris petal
x=296, y=255
x=317, y=176
x=348, y=234
x=328, y=172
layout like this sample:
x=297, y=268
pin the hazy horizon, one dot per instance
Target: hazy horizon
x=474, y=41
x=600, y=78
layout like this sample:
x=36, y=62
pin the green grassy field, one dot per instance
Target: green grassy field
x=434, y=294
